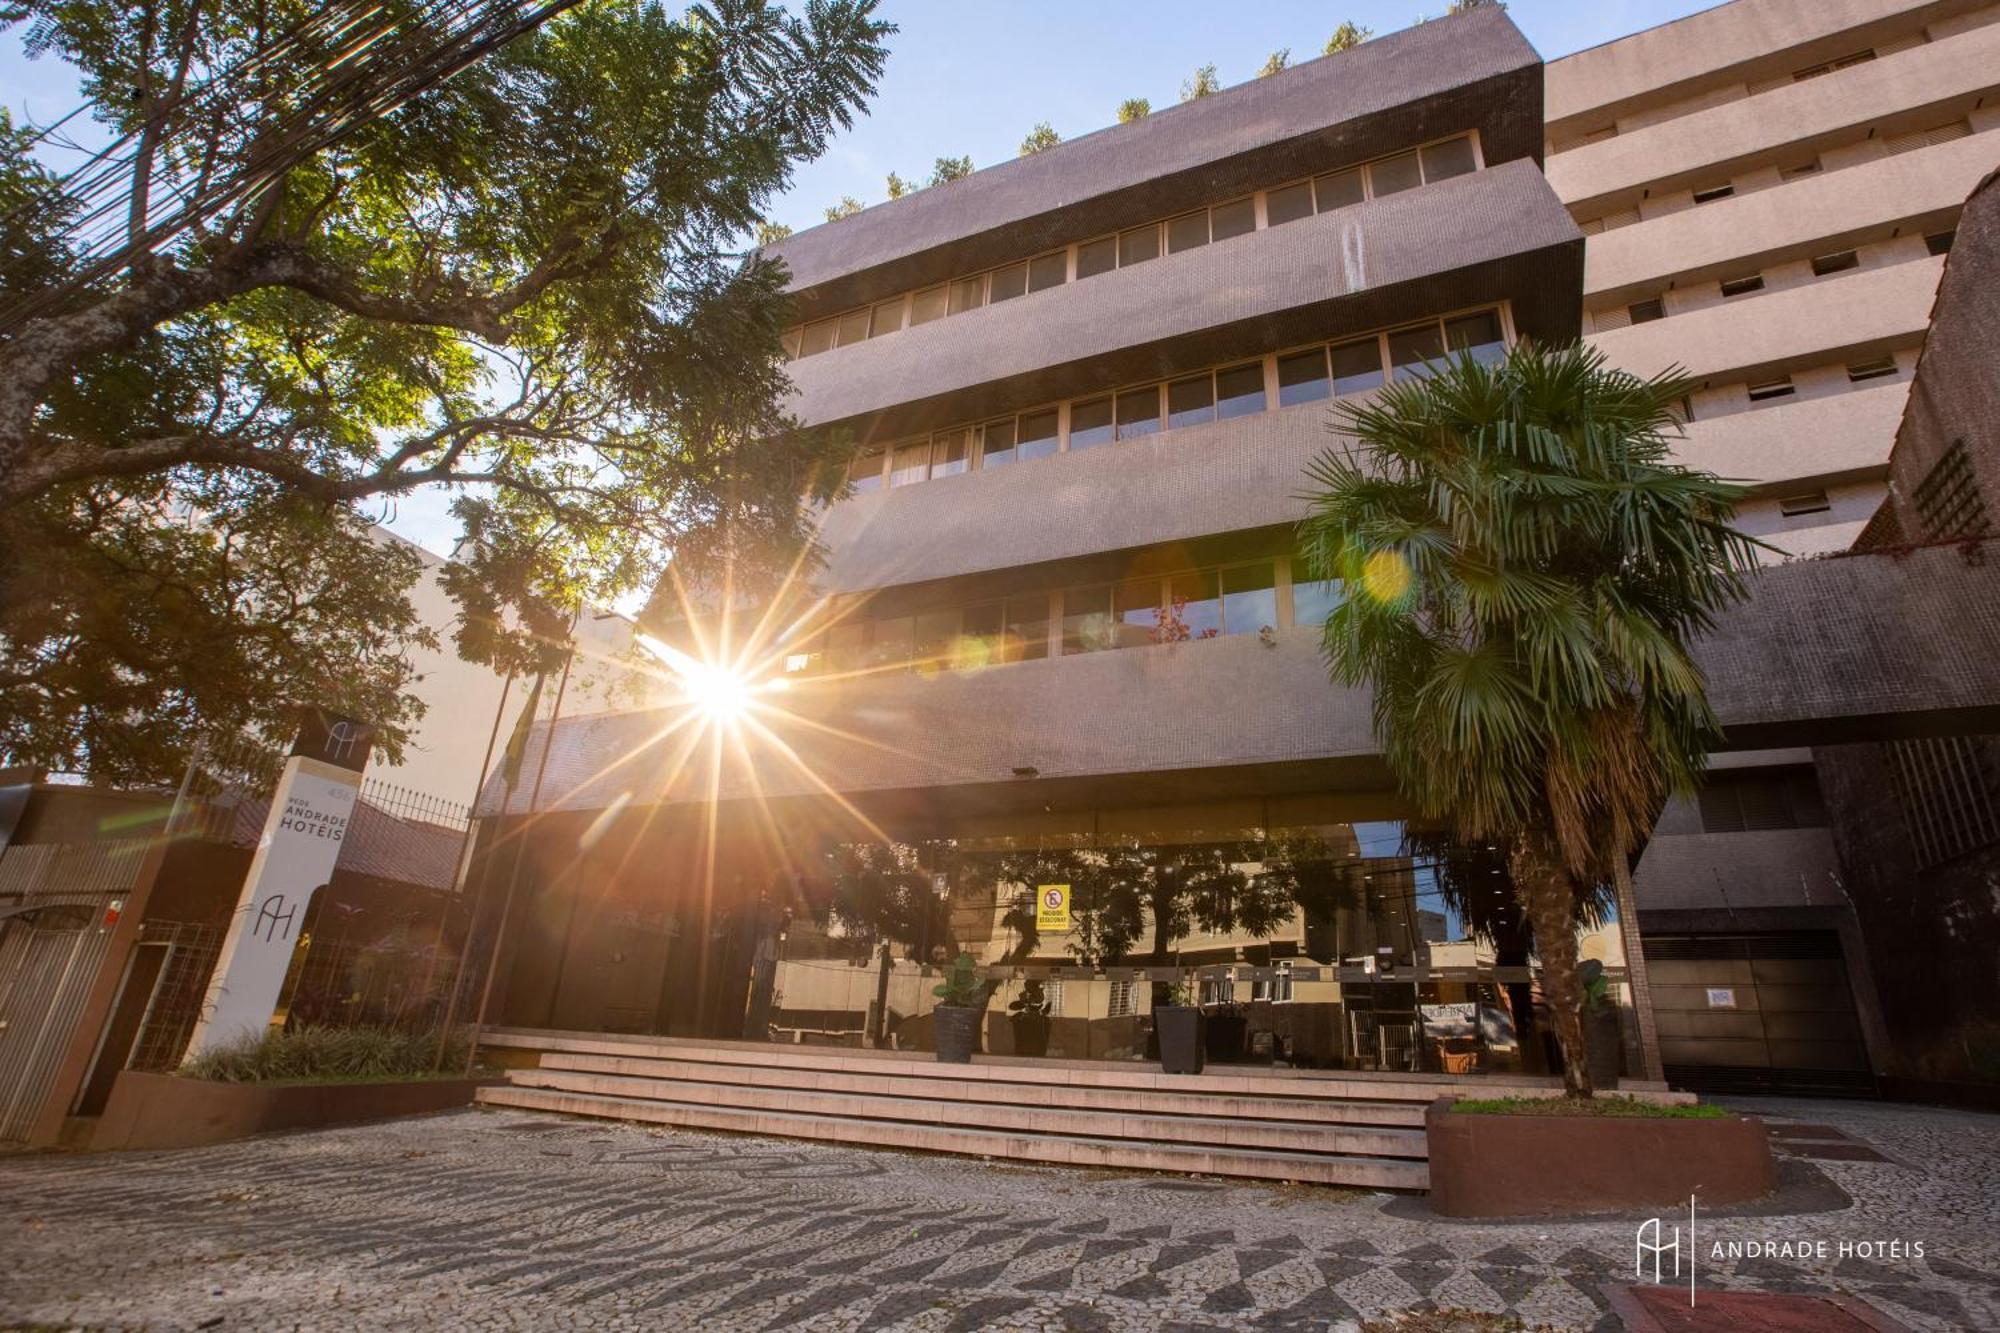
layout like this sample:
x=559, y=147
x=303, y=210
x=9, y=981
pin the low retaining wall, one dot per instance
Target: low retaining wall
x=1560, y=1165
x=167, y=1111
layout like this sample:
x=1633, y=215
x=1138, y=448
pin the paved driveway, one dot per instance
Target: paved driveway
x=511, y=1220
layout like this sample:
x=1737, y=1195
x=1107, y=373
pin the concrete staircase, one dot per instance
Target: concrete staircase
x=1329, y=1129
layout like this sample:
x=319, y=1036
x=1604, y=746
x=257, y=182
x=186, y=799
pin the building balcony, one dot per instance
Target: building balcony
x=1797, y=444
x=1492, y=235
x=1894, y=93
x=1916, y=192
x=1850, y=315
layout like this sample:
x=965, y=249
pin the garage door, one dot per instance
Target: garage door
x=1757, y=1013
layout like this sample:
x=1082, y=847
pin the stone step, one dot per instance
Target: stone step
x=1054, y=1149
x=1106, y=1122
x=887, y=1078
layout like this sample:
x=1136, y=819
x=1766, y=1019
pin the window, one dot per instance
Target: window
x=893, y=643
x=1451, y=158
x=1302, y=377
x=1186, y=232
x=1758, y=801
x=996, y=448
x=1338, y=190
x=1411, y=351
x=1191, y=401
x=912, y=463
x=1914, y=139
x=888, y=318
x=853, y=327
x=865, y=472
x=1478, y=336
x=1798, y=506
x=1138, y=245
x=789, y=340
x=1288, y=204
x=1835, y=263
x=1239, y=390
x=1939, y=242
x=1090, y=423
x=967, y=294
x=1234, y=218
x=1798, y=170
x=1948, y=500
x=926, y=306
x=1645, y=312
x=1313, y=600
x=1120, y=1004
x=1743, y=286
x=1949, y=789
x=1138, y=607
x=1027, y=629
x=1814, y=71
x=935, y=633
x=1194, y=607
x=951, y=452
x=1708, y=194
x=1880, y=368
x=1038, y=434
x=1095, y=257
x=1046, y=271
x=1770, y=389
x=1087, y=626
x=1008, y=283
x=817, y=338
x=1138, y=412
x=1249, y=598
x=1357, y=366
x=1393, y=175
x=847, y=645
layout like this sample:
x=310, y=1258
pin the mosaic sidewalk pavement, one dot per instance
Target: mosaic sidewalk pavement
x=510, y=1220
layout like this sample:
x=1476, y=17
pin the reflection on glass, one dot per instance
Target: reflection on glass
x=997, y=443
x=847, y=645
x=1194, y=607
x=1039, y=436
x=1139, y=244
x=1392, y=175
x=1027, y=629
x=1338, y=190
x=888, y=318
x=1095, y=257
x=951, y=452
x=1089, y=423
x=853, y=327
x=1357, y=366
x=1239, y=390
x=1087, y=625
x=817, y=338
x=1410, y=349
x=1288, y=204
x=980, y=633
x=1451, y=158
x=926, y=306
x=911, y=463
x=1191, y=401
x=1313, y=600
x=1235, y=218
x=1478, y=335
x=1139, y=612
x=1005, y=284
x=935, y=633
x=1138, y=412
x=894, y=640
x=1046, y=271
x=1249, y=598
x=865, y=472
x=1302, y=377
x=1187, y=231
x=967, y=294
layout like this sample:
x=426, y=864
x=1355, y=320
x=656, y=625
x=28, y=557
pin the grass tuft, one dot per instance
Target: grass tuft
x=311, y=1054
x=1605, y=1106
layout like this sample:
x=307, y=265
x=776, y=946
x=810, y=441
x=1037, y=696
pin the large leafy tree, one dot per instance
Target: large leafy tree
x=526, y=282
x=1526, y=567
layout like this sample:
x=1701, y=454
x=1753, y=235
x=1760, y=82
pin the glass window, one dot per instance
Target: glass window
x=981, y=634
x=1194, y=607
x=888, y=318
x=893, y=643
x=1239, y=390
x=1302, y=377
x=1095, y=257
x=935, y=632
x=1136, y=606
x=1409, y=349
x=1249, y=598
x=951, y=452
x=926, y=306
x=847, y=645
x=1186, y=232
x=1046, y=271
x=1087, y=625
x=1393, y=175
x=1451, y=158
x=1232, y=219
x=1089, y=423
x=866, y=471
x=1478, y=334
x=1191, y=402
x=1313, y=600
x=1004, y=284
x=996, y=443
x=853, y=327
x=1038, y=434
x=968, y=294
x=1357, y=365
x=1138, y=412
x=818, y=338
x=1288, y=204
x=789, y=340
x=1339, y=189
x=912, y=463
x=1139, y=244
x=1027, y=629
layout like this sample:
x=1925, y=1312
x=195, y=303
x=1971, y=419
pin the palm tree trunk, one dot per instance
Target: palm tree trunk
x=1545, y=894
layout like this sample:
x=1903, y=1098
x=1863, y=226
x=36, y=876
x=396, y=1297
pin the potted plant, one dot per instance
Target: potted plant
x=1603, y=1042
x=1028, y=1015
x=1181, y=1030
x=961, y=1007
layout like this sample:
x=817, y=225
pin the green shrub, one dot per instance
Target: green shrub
x=312, y=1052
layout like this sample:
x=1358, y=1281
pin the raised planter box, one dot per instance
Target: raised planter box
x=1564, y=1165
x=167, y=1111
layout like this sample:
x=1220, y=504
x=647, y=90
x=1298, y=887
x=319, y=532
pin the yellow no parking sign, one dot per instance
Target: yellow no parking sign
x=1052, y=907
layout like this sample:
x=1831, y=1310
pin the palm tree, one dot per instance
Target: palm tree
x=1525, y=566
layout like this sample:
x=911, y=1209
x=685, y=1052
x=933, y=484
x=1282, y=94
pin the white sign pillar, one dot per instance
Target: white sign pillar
x=309, y=818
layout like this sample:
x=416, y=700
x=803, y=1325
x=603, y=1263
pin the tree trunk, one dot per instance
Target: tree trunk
x=1547, y=897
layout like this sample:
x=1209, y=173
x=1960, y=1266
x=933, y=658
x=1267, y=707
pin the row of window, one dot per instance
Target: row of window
x=1129, y=613
x=1306, y=375
x=1137, y=245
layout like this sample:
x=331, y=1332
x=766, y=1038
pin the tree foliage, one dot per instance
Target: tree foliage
x=1043, y=136
x=948, y=169
x=1276, y=63
x=846, y=208
x=1346, y=37
x=1134, y=108
x=1525, y=567
x=524, y=284
x=1204, y=82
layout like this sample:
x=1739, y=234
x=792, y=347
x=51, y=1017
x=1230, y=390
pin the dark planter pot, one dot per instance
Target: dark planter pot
x=1604, y=1043
x=1031, y=1033
x=1575, y=1165
x=1182, y=1037
x=957, y=1032
x=167, y=1111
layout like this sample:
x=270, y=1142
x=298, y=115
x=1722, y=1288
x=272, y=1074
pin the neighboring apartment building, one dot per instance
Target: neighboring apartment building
x=1769, y=189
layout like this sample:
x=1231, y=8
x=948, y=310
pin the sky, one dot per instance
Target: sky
x=966, y=78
